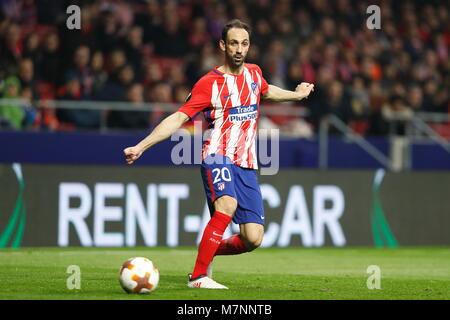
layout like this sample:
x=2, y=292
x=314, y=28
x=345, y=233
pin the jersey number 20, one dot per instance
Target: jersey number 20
x=223, y=174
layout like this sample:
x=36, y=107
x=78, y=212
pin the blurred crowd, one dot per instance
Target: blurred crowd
x=154, y=51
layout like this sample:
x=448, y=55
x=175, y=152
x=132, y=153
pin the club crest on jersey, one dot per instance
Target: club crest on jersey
x=255, y=88
x=221, y=186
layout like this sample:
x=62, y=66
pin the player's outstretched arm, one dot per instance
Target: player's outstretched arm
x=161, y=132
x=277, y=94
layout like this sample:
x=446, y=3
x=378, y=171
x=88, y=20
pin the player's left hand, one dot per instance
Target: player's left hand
x=132, y=154
x=304, y=89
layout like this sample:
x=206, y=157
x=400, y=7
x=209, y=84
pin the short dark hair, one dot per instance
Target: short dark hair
x=235, y=23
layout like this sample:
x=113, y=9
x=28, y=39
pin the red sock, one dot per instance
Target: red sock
x=232, y=245
x=212, y=236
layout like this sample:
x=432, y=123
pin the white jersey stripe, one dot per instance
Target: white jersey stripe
x=235, y=102
x=259, y=79
x=249, y=141
x=218, y=115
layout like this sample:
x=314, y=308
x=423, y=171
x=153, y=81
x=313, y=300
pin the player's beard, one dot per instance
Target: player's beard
x=236, y=63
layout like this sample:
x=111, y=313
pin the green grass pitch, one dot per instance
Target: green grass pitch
x=269, y=274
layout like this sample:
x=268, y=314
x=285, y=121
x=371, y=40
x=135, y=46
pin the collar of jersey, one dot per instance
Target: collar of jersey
x=228, y=74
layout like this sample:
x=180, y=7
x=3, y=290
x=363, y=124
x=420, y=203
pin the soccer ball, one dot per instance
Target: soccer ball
x=139, y=275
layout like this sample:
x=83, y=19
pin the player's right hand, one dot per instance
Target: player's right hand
x=131, y=154
x=304, y=89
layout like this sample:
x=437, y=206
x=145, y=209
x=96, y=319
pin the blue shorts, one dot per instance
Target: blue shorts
x=222, y=177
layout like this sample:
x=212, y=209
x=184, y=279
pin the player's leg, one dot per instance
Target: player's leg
x=225, y=208
x=249, y=215
x=252, y=235
x=219, y=186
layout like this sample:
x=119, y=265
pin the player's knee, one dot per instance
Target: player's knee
x=226, y=204
x=253, y=242
x=253, y=245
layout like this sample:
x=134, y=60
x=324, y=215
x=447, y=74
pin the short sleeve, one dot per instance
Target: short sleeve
x=198, y=100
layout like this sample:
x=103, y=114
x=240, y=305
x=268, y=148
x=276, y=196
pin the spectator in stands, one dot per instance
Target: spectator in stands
x=371, y=70
x=203, y=62
x=31, y=114
x=180, y=93
x=161, y=92
x=275, y=65
x=26, y=76
x=199, y=34
x=12, y=113
x=132, y=49
x=359, y=98
x=338, y=102
x=117, y=60
x=239, y=11
x=123, y=13
x=106, y=33
x=78, y=118
x=31, y=48
x=303, y=55
x=262, y=33
x=50, y=63
x=396, y=113
x=171, y=41
x=389, y=76
x=254, y=55
x=22, y=12
x=435, y=98
x=261, y=9
x=294, y=75
x=116, y=89
x=152, y=74
x=317, y=103
x=150, y=20
x=99, y=74
x=217, y=17
x=49, y=11
x=82, y=69
x=10, y=49
x=70, y=40
x=286, y=33
x=176, y=75
x=377, y=99
x=414, y=98
x=132, y=119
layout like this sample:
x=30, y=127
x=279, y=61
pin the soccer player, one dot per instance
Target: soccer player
x=229, y=98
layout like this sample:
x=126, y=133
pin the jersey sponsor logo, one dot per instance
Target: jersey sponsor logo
x=228, y=95
x=243, y=113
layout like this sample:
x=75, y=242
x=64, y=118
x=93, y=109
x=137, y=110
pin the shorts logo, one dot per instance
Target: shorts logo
x=255, y=88
x=221, y=186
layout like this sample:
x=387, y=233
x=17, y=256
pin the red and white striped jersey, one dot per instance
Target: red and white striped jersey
x=230, y=104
